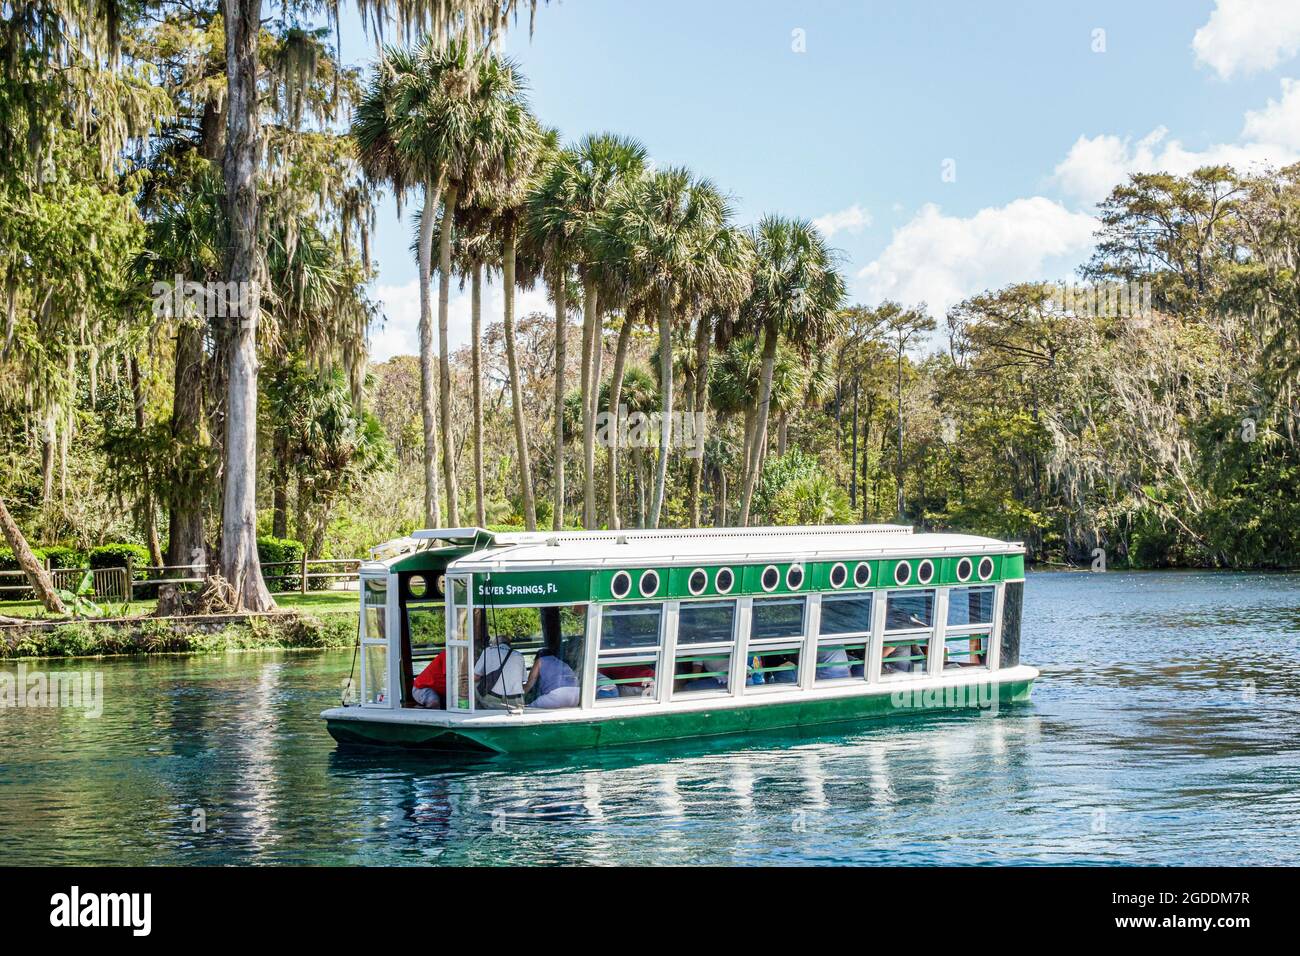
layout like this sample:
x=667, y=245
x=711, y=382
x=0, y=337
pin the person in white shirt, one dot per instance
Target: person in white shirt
x=508, y=664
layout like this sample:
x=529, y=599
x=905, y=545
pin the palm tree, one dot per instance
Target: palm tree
x=796, y=293
x=594, y=170
x=376, y=127
x=666, y=226
x=553, y=237
x=459, y=111
x=533, y=155
x=901, y=326
x=451, y=118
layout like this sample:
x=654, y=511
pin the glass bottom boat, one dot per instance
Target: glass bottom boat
x=478, y=642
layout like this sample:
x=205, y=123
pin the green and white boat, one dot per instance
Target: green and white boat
x=557, y=641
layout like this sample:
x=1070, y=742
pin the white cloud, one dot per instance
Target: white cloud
x=400, y=305
x=1248, y=36
x=941, y=260
x=1095, y=165
x=852, y=220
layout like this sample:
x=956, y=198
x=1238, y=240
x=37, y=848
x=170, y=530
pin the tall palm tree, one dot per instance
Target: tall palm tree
x=376, y=127
x=553, y=234
x=533, y=155
x=593, y=171
x=796, y=292
x=460, y=109
x=665, y=226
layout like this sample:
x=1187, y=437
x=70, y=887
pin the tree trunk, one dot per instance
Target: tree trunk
x=899, y=477
x=760, y=424
x=239, y=563
x=186, y=505
x=148, y=506
x=590, y=335
x=516, y=394
x=476, y=362
x=666, y=397
x=432, y=495
x=853, y=468
x=36, y=575
x=616, y=396
x=703, y=331
x=444, y=359
x=561, y=310
x=280, y=483
x=782, y=432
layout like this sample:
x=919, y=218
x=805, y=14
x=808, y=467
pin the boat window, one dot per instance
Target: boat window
x=965, y=650
x=910, y=616
x=628, y=658
x=376, y=593
x=970, y=619
x=970, y=606
x=538, y=652
x=705, y=636
x=374, y=642
x=843, y=637
x=775, y=641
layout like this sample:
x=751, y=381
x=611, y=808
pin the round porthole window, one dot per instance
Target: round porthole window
x=698, y=581
x=649, y=583
x=986, y=568
x=902, y=572
x=621, y=585
x=862, y=574
x=964, y=569
x=440, y=585
x=771, y=578
x=417, y=586
x=794, y=577
x=925, y=572
x=839, y=574
x=723, y=580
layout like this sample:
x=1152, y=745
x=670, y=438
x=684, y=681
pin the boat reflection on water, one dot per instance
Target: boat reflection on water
x=768, y=795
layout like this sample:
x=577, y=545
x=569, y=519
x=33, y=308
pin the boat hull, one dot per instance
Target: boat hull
x=351, y=726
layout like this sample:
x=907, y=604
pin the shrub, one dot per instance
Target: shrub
x=274, y=550
x=9, y=562
x=63, y=556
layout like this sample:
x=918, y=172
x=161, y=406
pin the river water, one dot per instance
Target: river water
x=1163, y=730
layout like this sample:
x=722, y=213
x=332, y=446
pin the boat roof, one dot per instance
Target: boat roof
x=483, y=551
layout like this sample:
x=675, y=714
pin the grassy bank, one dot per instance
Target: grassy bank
x=176, y=635
x=314, y=602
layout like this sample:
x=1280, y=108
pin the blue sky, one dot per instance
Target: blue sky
x=851, y=113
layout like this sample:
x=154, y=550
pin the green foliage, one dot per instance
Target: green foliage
x=121, y=555
x=272, y=550
x=63, y=556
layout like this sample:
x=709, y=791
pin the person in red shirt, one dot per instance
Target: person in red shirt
x=431, y=683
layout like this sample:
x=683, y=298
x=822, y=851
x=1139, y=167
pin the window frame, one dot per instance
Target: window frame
x=798, y=643
x=924, y=635
x=866, y=638
x=969, y=630
x=729, y=648
x=613, y=657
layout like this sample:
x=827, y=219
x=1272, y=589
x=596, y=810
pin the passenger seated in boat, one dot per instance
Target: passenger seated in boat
x=902, y=652
x=857, y=663
x=832, y=663
x=788, y=672
x=500, y=673
x=710, y=667
x=428, y=687
x=640, y=679
x=556, y=683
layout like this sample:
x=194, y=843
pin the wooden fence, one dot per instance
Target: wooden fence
x=121, y=584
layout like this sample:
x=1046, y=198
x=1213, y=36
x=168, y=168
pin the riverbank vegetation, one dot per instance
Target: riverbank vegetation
x=172, y=636
x=186, y=275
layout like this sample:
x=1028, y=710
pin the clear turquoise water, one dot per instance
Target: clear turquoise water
x=1163, y=731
